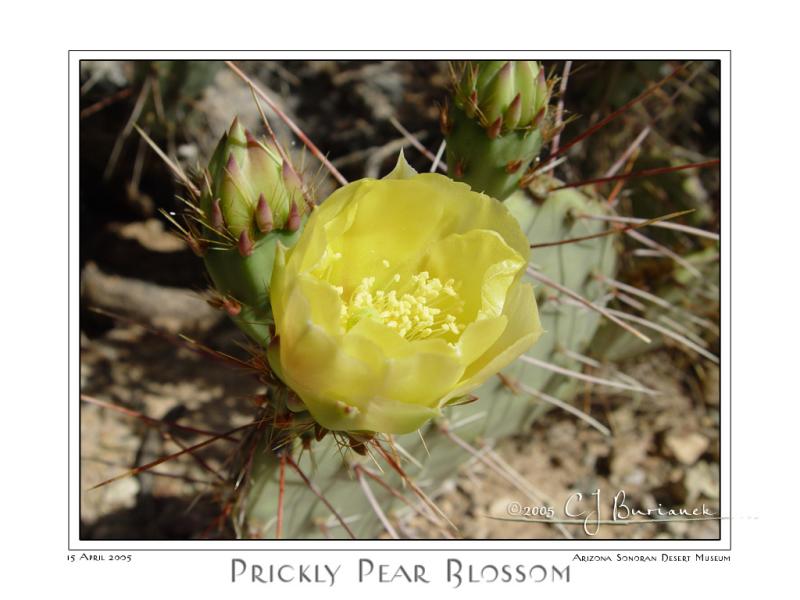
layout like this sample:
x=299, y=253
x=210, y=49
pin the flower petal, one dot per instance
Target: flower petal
x=522, y=331
x=483, y=264
x=416, y=372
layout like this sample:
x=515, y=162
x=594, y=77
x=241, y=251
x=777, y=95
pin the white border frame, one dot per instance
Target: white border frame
x=725, y=543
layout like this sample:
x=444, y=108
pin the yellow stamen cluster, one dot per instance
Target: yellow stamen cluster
x=409, y=307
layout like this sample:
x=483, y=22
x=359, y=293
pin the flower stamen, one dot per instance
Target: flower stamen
x=418, y=308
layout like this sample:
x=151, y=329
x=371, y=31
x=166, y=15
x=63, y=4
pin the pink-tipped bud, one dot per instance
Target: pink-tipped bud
x=231, y=165
x=542, y=91
x=513, y=113
x=251, y=140
x=539, y=115
x=231, y=306
x=216, y=218
x=245, y=244
x=541, y=81
x=505, y=70
x=263, y=215
x=494, y=129
x=293, y=220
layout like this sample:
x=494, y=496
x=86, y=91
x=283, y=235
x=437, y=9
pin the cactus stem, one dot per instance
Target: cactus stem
x=263, y=215
x=494, y=129
x=293, y=220
x=459, y=168
x=246, y=245
x=216, y=217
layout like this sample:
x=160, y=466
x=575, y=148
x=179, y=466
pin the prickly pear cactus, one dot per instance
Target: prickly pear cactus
x=504, y=406
x=494, y=127
x=251, y=200
x=252, y=205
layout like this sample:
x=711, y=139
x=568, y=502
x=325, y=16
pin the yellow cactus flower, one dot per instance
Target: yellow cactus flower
x=401, y=295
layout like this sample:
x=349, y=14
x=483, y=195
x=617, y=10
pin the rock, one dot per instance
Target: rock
x=499, y=508
x=702, y=480
x=151, y=234
x=637, y=478
x=686, y=447
x=173, y=309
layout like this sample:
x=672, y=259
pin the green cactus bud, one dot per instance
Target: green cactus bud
x=251, y=200
x=493, y=126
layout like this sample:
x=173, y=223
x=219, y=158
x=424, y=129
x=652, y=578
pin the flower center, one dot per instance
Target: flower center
x=417, y=307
